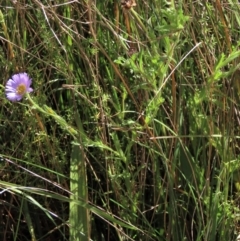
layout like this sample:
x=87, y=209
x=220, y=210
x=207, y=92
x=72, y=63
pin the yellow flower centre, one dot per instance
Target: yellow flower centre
x=21, y=89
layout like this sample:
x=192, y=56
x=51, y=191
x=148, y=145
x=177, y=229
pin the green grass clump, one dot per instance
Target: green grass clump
x=132, y=130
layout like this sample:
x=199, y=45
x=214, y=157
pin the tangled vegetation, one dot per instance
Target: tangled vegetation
x=132, y=129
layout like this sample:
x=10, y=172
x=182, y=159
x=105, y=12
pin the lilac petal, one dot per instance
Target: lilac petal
x=29, y=90
x=13, y=97
x=13, y=84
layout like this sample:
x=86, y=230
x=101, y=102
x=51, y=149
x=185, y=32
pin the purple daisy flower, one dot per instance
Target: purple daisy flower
x=17, y=86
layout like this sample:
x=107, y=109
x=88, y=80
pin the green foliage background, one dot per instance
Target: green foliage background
x=134, y=134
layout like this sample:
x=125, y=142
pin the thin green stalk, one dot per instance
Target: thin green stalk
x=78, y=216
x=28, y=220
